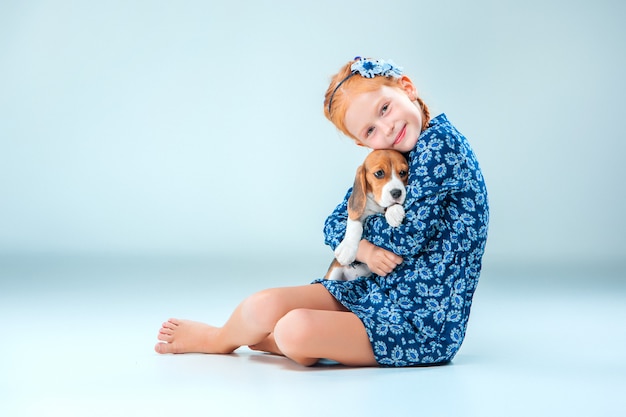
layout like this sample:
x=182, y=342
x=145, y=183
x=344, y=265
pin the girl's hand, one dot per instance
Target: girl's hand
x=380, y=261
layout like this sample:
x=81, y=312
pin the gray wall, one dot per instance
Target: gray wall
x=194, y=127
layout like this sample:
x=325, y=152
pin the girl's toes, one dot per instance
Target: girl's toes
x=164, y=348
x=169, y=325
x=165, y=330
x=165, y=337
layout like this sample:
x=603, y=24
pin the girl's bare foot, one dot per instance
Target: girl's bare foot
x=267, y=345
x=186, y=336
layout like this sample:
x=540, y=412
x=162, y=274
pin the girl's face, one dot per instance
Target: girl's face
x=386, y=118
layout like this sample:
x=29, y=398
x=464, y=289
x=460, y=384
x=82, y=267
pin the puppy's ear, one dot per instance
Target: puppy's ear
x=358, y=198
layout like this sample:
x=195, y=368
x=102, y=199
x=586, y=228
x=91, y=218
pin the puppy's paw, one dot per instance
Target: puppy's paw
x=345, y=253
x=394, y=215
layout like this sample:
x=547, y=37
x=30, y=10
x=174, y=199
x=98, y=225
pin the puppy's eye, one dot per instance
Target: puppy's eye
x=379, y=174
x=402, y=173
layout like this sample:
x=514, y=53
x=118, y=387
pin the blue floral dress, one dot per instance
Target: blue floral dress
x=418, y=314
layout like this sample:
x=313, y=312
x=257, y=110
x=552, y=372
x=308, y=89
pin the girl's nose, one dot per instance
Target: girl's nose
x=387, y=127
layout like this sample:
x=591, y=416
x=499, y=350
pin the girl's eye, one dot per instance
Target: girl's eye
x=384, y=109
x=369, y=132
x=379, y=174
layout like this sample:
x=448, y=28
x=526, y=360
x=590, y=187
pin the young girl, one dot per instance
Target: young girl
x=415, y=307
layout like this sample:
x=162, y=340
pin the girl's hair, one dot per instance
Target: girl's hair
x=343, y=84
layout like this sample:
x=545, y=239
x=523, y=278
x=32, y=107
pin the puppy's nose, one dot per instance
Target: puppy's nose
x=396, y=193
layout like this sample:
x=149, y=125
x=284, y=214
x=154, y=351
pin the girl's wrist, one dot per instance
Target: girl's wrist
x=364, y=250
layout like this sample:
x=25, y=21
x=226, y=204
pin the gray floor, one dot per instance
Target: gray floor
x=77, y=338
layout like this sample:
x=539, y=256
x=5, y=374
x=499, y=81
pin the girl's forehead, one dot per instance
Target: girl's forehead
x=369, y=97
x=361, y=109
x=364, y=104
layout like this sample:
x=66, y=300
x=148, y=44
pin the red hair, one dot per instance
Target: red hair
x=342, y=85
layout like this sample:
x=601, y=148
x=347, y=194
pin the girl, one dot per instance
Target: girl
x=415, y=308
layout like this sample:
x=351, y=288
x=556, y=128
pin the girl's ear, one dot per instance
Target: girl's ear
x=409, y=88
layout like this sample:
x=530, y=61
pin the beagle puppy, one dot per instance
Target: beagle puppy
x=379, y=186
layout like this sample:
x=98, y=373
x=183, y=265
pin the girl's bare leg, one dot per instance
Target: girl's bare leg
x=251, y=322
x=267, y=345
x=306, y=336
x=331, y=336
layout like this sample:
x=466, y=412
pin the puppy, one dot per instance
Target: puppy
x=379, y=186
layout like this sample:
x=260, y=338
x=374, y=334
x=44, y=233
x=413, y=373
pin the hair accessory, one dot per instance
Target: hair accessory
x=368, y=68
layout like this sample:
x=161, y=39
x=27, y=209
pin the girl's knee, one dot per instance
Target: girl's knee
x=293, y=332
x=263, y=309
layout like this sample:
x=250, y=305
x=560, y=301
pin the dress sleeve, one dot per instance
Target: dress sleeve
x=335, y=224
x=424, y=210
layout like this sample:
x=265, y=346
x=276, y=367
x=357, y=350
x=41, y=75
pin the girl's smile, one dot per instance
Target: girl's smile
x=400, y=136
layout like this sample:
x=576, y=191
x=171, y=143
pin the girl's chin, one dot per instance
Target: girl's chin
x=405, y=145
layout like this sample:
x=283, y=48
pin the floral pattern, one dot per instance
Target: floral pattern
x=369, y=68
x=418, y=314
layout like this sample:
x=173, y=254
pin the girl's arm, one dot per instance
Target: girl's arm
x=424, y=210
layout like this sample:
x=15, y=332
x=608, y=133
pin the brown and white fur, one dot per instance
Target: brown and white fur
x=379, y=186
